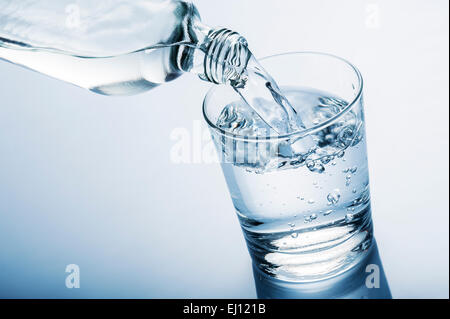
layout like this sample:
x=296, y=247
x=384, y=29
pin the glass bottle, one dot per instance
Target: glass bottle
x=118, y=47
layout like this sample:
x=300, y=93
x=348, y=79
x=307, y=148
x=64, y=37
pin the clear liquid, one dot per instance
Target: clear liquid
x=301, y=212
x=260, y=91
x=123, y=74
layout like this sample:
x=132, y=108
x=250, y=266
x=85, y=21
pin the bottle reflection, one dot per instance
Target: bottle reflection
x=364, y=281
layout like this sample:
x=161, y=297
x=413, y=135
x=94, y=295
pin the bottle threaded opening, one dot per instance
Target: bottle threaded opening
x=227, y=57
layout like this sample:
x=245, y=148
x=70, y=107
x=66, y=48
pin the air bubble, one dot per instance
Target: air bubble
x=328, y=212
x=310, y=218
x=348, y=180
x=320, y=168
x=334, y=197
x=315, y=167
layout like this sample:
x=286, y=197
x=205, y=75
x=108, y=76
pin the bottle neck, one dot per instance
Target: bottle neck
x=219, y=56
x=226, y=58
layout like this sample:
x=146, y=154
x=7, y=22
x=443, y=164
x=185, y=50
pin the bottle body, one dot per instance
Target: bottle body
x=111, y=47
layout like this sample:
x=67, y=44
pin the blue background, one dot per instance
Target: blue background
x=88, y=180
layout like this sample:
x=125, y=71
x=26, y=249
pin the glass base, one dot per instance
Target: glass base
x=357, y=282
x=313, y=254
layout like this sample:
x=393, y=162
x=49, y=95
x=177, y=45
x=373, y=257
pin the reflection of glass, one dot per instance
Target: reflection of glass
x=303, y=198
x=364, y=281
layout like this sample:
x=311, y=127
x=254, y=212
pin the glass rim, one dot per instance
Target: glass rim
x=299, y=133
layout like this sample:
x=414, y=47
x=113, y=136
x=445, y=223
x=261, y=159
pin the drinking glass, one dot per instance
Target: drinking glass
x=302, y=198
